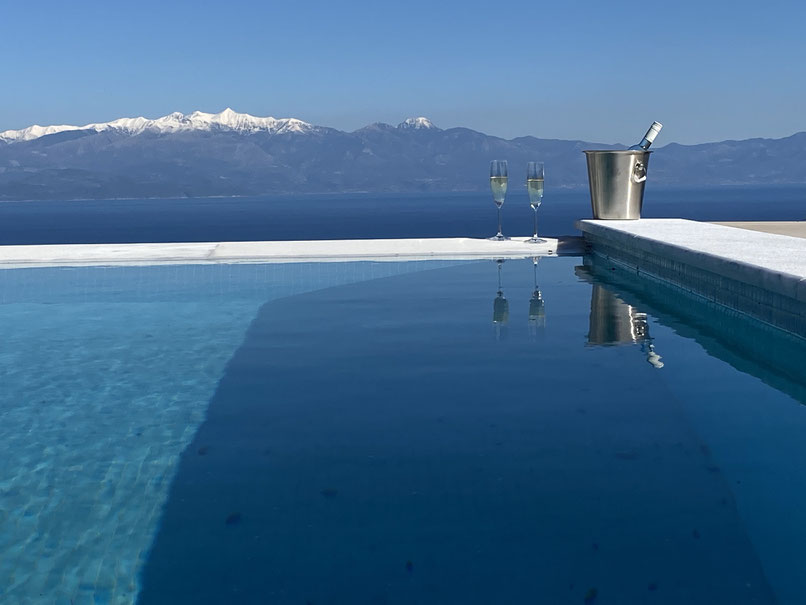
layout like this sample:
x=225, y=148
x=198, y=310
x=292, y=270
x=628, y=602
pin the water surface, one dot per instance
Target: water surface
x=466, y=432
x=346, y=216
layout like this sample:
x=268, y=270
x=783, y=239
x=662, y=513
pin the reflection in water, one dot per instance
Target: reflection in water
x=537, y=307
x=500, y=307
x=614, y=322
x=651, y=356
x=773, y=355
x=753, y=437
x=569, y=486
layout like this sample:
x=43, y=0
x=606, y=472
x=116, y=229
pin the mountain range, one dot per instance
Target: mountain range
x=230, y=153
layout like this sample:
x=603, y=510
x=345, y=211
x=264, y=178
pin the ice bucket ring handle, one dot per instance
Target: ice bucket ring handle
x=639, y=173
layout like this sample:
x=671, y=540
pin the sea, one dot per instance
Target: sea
x=364, y=215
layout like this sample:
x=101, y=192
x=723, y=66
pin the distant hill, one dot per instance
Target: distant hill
x=229, y=153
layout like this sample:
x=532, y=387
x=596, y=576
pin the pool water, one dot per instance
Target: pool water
x=426, y=432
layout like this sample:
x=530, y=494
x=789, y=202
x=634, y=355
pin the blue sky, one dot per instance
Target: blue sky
x=598, y=71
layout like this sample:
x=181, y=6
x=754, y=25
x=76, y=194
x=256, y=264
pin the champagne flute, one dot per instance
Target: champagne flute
x=534, y=185
x=498, y=185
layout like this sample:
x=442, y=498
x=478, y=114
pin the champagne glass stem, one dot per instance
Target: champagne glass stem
x=535, y=209
x=499, y=221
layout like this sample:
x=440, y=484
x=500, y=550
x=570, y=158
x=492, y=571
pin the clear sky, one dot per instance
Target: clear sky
x=597, y=70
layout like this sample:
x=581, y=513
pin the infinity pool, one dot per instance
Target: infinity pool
x=424, y=432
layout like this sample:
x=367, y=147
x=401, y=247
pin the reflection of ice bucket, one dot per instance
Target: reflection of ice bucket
x=617, y=180
x=613, y=321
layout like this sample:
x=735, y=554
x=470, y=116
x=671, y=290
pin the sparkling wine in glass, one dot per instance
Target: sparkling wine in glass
x=534, y=186
x=498, y=185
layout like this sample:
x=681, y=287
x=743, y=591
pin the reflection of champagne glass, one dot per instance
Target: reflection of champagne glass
x=500, y=306
x=537, y=307
x=500, y=309
x=498, y=185
x=534, y=185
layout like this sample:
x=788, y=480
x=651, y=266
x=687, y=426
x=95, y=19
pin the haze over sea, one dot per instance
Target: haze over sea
x=346, y=216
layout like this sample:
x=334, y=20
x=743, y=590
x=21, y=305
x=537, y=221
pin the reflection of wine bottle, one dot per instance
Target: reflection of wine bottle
x=652, y=357
x=648, y=137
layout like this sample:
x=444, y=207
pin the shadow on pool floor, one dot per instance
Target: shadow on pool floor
x=375, y=444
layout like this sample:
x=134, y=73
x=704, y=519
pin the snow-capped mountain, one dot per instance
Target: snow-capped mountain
x=418, y=124
x=229, y=153
x=174, y=122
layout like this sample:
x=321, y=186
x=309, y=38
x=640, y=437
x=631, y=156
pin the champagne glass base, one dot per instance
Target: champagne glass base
x=500, y=237
x=536, y=240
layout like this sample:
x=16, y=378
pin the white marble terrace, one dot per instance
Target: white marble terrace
x=458, y=248
x=770, y=261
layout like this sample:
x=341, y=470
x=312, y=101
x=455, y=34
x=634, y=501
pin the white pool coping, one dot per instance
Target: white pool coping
x=773, y=262
x=280, y=251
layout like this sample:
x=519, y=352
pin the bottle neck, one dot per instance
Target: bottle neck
x=649, y=137
x=644, y=144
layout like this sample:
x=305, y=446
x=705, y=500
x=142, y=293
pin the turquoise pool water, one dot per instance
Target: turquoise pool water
x=393, y=433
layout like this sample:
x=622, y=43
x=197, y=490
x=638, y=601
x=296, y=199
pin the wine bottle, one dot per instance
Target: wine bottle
x=648, y=137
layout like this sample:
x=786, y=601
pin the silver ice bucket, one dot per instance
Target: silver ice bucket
x=616, y=180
